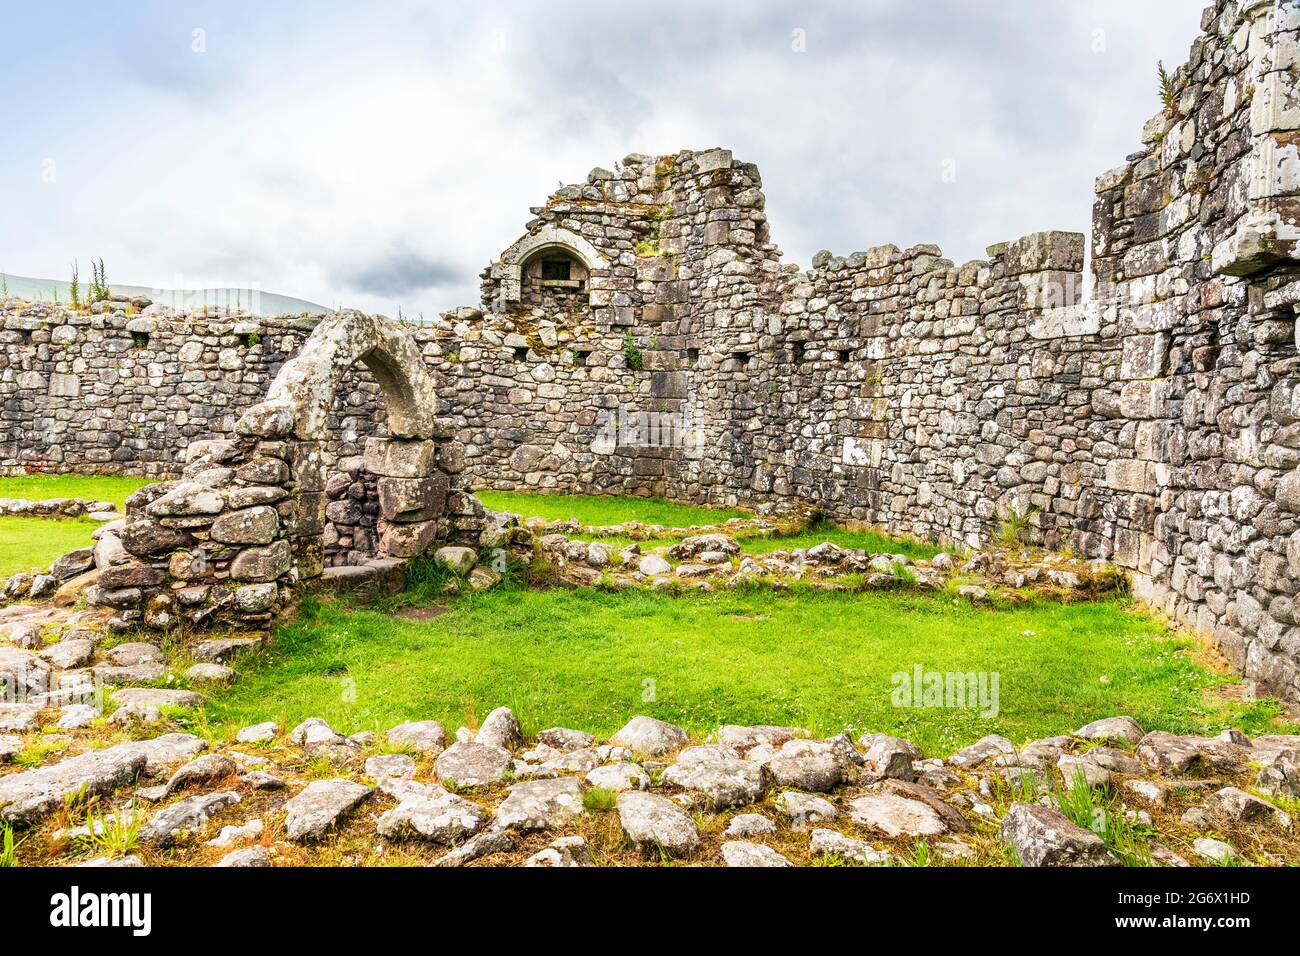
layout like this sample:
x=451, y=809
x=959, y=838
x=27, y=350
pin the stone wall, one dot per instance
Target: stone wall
x=643, y=336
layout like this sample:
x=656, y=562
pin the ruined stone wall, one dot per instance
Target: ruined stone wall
x=123, y=390
x=1157, y=424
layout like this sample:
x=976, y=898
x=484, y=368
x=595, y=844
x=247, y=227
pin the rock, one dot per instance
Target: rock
x=653, y=564
x=230, y=835
x=320, y=806
x=1042, y=836
x=654, y=822
x=73, y=563
x=895, y=815
x=30, y=796
x=1112, y=728
x=739, y=853
x=260, y=780
x=156, y=697
x=226, y=648
x=986, y=748
x=69, y=654
x=564, y=852
x=456, y=559
x=805, y=810
x=1216, y=851
x=310, y=732
x=185, y=819
x=500, y=729
x=749, y=825
x=257, y=733
x=19, y=718
x=1167, y=753
x=650, y=737
x=203, y=770
x=724, y=783
x=446, y=819
x=399, y=766
x=10, y=746
x=256, y=525
x=1238, y=805
x=470, y=764
x=809, y=765
x=163, y=753
x=561, y=738
x=1072, y=768
x=618, y=777
x=831, y=843
x=1148, y=790
x=891, y=757
x=218, y=674
x=425, y=736
x=248, y=856
x=477, y=847
x=540, y=805
x=746, y=738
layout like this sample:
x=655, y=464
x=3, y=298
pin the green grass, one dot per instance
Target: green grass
x=591, y=660
x=114, y=488
x=602, y=510
x=31, y=544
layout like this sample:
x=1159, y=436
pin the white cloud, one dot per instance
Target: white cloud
x=365, y=147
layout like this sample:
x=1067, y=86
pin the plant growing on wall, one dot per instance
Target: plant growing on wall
x=74, y=287
x=1167, y=95
x=631, y=354
x=98, y=282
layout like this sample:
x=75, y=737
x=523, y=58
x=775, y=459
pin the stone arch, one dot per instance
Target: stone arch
x=299, y=399
x=243, y=528
x=508, y=271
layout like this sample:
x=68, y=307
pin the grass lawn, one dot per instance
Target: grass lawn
x=30, y=544
x=603, y=510
x=591, y=660
x=114, y=488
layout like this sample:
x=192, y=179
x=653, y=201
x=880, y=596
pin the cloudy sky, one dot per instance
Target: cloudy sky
x=379, y=154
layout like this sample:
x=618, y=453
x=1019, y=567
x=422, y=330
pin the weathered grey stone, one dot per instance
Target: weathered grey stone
x=29, y=796
x=738, y=853
x=425, y=736
x=186, y=819
x=469, y=764
x=655, y=822
x=649, y=736
x=1042, y=836
x=722, y=783
x=320, y=807
x=446, y=820
x=832, y=843
x=540, y=805
x=500, y=729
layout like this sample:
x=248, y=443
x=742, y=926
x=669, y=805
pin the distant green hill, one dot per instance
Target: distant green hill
x=253, y=301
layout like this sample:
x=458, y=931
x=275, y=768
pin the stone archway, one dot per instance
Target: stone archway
x=241, y=531
x=508, y=271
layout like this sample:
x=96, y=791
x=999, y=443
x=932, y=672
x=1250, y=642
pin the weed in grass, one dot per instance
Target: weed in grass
x=116, y=833
x=599, y=798
x=9, y=846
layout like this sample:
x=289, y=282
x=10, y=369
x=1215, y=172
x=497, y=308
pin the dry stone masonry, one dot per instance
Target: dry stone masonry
x=644, y=336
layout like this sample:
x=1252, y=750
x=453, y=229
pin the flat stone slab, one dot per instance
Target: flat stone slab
x=141, y=697
x=446, y=819
x=28, y=797
x=320, y=806
x=469, y=764
x=540, y=805
x=1042, y=836
x=738, y=853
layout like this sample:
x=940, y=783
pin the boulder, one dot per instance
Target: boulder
x=737, y=853
x=468, y=764
x=1042, y=836
x=540, y=805
x=445, y=819
x=656, y=823
x=320, y=806
x=723, y=783
x=425, y=736
x=649, y=736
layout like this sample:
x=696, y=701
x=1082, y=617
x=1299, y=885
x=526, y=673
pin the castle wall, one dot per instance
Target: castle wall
x=1156, y=424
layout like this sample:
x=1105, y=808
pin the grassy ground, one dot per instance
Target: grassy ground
x=591, y=660
x=114, y=488
x=601, y=510
x=28, y=544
